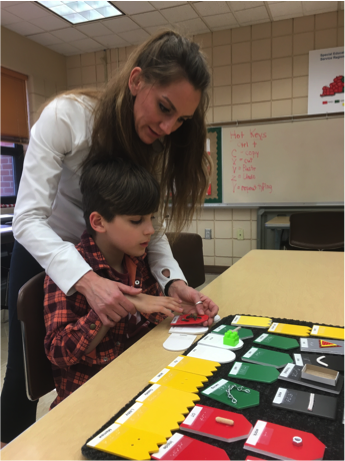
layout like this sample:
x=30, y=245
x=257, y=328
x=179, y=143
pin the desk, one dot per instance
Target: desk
x=288, y=284
x=278, y=224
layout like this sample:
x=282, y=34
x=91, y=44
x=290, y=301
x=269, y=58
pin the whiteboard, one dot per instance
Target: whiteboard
x=294, y=162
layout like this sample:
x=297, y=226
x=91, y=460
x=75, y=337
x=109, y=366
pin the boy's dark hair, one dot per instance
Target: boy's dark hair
x=117, y=187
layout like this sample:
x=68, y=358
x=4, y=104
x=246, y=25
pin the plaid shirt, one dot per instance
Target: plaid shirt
x=71, y=324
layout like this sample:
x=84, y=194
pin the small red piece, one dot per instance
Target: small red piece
x=188, y=319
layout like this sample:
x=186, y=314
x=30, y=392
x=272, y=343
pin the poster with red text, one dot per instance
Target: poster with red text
x=326, y=81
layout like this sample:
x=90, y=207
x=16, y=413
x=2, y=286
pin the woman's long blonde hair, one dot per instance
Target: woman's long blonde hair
x=183, y=168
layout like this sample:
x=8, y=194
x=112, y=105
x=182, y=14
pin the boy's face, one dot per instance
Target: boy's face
x=130, y=234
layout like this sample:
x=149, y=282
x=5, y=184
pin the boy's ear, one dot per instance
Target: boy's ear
x=97, y=222
x=134, y=80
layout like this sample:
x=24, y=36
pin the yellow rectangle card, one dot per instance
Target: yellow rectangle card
x=287, y=329
x=188, y=382
x=168, y=399
x=251, y=321
x=193, y=365
x=327, y=332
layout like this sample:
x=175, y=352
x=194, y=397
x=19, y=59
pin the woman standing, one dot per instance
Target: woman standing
x=153, y=113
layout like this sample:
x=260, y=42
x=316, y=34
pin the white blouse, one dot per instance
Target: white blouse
x=48, y=219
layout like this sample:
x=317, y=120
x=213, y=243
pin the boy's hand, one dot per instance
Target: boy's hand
x=190, y=298
x=149, y=304
x=107, y=298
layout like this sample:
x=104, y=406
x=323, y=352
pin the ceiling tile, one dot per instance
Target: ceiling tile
x=194, y=26
x=163, y=5
x=87, y=45
x=27, y=10
x=153, y=18
x=134, y=7
x=238, y=6
x=285, y=10
x=112, y=41
x=319, y=7
x=152, y=30
x=68, y=35
x=221, y=21
x=8, y=18
x=211, y=8
x=50, y=22
x=64, y=48
x=179, y=13
x=24, y=28
x=5, y=5
x=252, y=16
x=120, y=24
x=45, y=39
x=95, y=29
x=135, y=37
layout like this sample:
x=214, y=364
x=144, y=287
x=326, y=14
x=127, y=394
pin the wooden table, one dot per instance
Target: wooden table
x=287, y=284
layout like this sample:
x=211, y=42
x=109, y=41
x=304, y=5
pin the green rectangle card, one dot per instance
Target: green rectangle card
x=279, y=342
x=232, y=394
x=254, y=372
x=267, y=357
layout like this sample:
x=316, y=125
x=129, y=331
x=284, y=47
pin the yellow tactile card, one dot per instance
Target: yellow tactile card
x=193, y=365
x=188, y=382
x=168, y=399
x=126, y=442
x=250, y=321
x=287, y=329
x=142, y=417
x=327, y=332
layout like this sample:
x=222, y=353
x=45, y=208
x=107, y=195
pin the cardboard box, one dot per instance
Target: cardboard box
x=320, y=374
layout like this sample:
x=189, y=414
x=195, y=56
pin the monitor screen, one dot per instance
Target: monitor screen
x=12, y=158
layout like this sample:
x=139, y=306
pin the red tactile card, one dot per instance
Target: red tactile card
x=188, y=319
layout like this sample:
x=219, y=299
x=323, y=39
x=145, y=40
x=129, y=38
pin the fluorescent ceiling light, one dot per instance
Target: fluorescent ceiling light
x=78, y=12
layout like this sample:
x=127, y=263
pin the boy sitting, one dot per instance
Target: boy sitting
x=119, y=200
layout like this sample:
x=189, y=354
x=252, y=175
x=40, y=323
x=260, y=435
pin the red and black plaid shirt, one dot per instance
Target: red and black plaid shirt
x=71, y=324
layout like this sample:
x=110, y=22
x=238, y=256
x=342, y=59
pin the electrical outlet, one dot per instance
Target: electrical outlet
x=240, y=234
x=208, y=234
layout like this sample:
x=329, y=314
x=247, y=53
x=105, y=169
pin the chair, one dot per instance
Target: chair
x=318, y=230
x=187, y=250
x=38, y=371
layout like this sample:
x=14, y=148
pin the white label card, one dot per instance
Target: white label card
x=236, y=319
x=298, y=360
x=215, y=386
x=175, y=319
x=170, y=444
x=160, y=375
x=175, y=362
x=129, y=413
x=250, y=352
x=287, y=370
x=315, y=330
x=273, y=326
x=256, y=433
x=220, y=328
x=262, y=337
x=94, y=442
x=304, y=342
x=147, y=393
x=192, y=416
x=236, y=368
x=279, y=397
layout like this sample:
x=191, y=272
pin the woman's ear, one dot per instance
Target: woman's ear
x=134, y=80
x=97, y=222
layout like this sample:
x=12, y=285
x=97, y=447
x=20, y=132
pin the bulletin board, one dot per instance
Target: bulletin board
x=214, y=149
x=294, y=162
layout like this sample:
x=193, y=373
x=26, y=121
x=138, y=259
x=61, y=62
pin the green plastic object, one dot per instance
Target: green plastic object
x=231, y=338
x=243, y=333
x=279, y=342
x=233, y=394
x=254, y=372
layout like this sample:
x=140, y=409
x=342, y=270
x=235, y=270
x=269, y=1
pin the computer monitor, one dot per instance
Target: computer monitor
x=12, y=158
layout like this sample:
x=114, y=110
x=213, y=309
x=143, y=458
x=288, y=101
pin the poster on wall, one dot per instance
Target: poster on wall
x=326, y=81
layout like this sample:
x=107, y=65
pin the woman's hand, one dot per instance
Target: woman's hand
x=190, y=298
x=149, y=304
x=107, y=298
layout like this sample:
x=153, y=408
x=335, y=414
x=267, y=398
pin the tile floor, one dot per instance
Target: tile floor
x=44, y=402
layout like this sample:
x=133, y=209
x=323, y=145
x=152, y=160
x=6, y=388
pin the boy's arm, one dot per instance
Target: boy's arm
x=69, y=335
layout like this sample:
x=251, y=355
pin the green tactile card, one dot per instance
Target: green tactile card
x=218, y=391
x=279, y=342
x=243, y=333
x=254, y=372
x=267, y=357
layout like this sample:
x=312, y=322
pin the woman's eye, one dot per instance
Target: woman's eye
x=181, y=120
x=136, y=222
x=163, y=108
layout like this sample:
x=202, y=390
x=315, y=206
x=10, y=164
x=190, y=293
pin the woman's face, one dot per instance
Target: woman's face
x=160, y=110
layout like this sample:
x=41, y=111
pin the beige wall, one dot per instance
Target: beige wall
x=259, y=71
x=45, y=68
